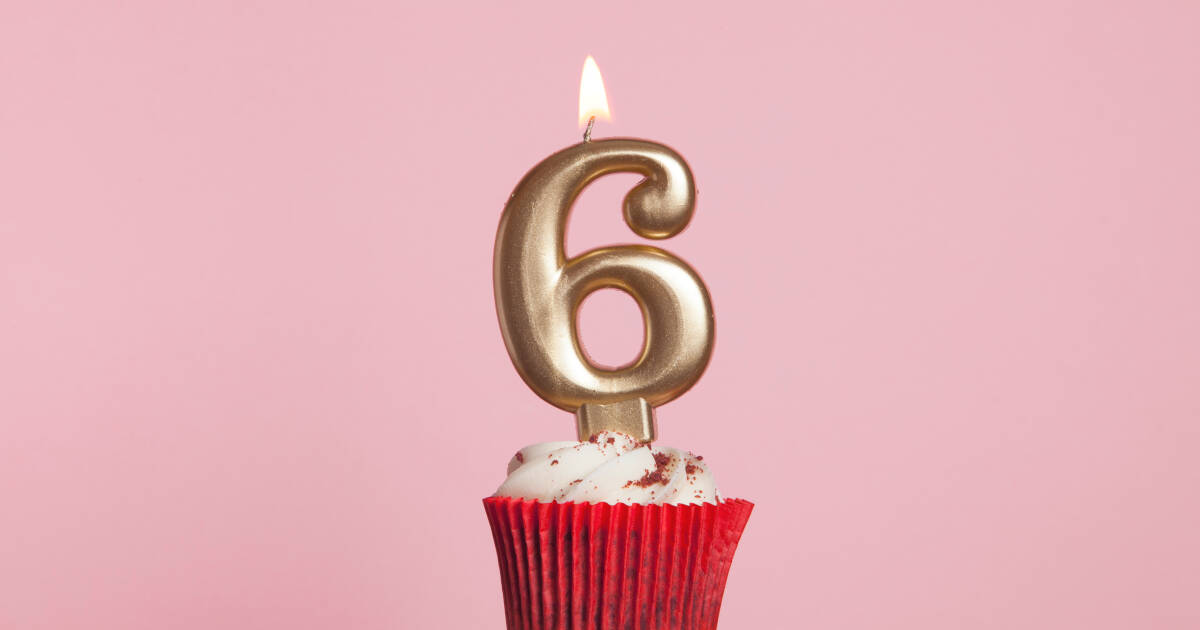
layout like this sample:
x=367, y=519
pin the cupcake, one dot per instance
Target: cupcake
x=612, y=533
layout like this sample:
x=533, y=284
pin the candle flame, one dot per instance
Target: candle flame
x=593, y=101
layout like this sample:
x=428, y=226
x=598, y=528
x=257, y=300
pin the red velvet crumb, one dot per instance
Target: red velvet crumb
x=656, y=476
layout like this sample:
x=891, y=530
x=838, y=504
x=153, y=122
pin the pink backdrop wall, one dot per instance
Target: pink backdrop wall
x=250, y=375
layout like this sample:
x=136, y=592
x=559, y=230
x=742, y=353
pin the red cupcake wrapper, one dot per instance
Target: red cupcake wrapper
x=584, y=566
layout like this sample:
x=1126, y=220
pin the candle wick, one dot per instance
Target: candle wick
x=587, y=133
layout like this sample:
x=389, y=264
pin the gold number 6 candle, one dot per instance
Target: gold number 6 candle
x=539, y=290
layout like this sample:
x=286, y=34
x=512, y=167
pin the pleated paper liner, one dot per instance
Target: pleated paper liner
x=583, y=566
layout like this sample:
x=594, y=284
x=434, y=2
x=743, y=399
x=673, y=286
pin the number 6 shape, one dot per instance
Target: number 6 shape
x=539, y=290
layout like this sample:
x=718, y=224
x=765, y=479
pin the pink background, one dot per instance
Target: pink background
x=250, y=374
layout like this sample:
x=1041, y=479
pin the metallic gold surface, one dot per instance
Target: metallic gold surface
x=539, y=290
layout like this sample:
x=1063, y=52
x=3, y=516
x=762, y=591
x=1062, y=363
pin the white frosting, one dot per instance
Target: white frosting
x=611, y=468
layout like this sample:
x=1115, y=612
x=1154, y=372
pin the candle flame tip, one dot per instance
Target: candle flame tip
x=593, y=100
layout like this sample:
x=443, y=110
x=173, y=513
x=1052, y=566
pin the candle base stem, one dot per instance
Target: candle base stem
x=633, y=417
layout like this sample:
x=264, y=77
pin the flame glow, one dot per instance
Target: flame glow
x=593, y=101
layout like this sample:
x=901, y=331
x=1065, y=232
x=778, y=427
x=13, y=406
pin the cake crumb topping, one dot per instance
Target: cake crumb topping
x=656, y=476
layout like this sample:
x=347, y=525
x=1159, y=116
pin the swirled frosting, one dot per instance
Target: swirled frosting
x=609, y=468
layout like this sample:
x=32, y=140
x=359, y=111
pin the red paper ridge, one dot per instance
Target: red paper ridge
x=595, y=566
